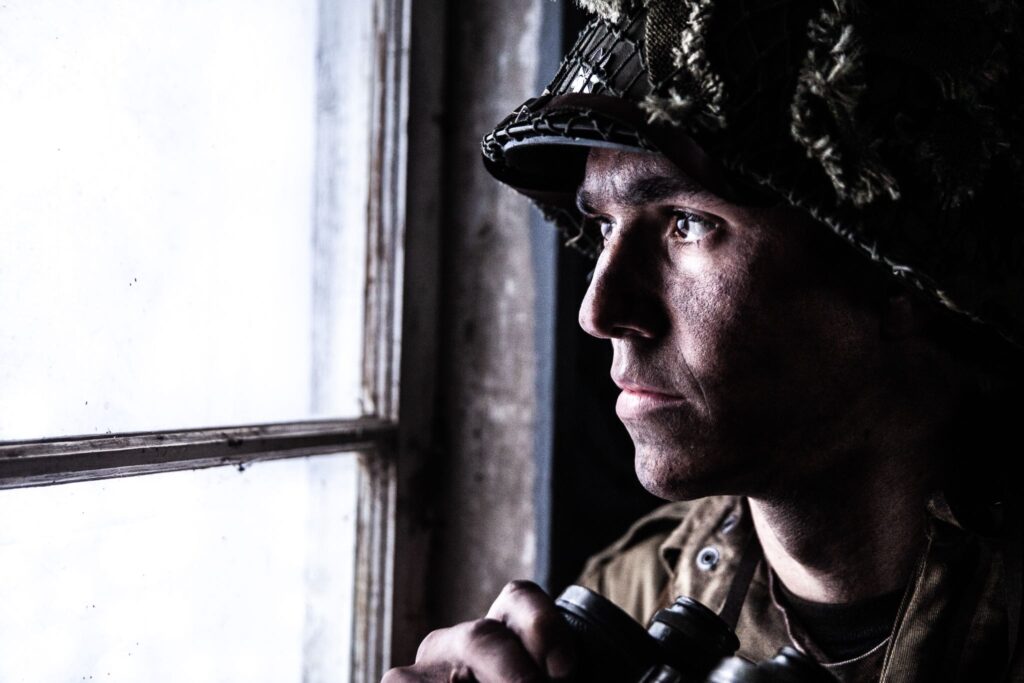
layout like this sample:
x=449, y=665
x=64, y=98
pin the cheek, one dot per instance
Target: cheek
x=757, y=337
x=714, y=322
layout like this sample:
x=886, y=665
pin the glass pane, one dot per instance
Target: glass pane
x=209, y=575
x=163, y=218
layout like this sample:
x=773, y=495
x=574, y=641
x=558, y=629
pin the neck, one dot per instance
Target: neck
x=855, y=535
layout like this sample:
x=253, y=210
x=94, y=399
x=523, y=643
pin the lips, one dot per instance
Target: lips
x=636, y=400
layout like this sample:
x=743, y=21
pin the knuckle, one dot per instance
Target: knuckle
x=486, y=632
x=491, y=640
x=544, y=621
x=401, y=675
x=517, y=598
x=530, y=618
x=428, y=644
x=431, y=673
x=518, y=587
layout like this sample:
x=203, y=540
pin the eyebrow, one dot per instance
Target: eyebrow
x=643, y=191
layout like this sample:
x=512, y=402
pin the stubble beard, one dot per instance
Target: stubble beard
x=679, y=456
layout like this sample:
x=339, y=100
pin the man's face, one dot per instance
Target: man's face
x=744, y=356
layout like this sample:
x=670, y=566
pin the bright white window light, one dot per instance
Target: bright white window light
x=201, y=576
x=158, y=191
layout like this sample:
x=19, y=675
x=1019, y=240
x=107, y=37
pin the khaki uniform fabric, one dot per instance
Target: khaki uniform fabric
x=951, y=625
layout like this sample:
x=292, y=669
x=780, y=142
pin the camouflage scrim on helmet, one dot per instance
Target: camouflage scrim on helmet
x=899, y=125
x=827, y=113
x=691, y=94
x=608, y=9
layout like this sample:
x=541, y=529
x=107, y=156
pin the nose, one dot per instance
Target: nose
x=623, y=298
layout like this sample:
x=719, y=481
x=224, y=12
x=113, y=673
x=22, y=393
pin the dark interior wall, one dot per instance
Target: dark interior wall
x=483, y=475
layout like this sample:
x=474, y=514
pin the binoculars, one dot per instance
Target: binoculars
x=684, y=643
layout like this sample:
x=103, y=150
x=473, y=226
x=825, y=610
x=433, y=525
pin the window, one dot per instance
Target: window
x=200, y=283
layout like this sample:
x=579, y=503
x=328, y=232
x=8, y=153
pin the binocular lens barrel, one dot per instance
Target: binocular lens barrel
x=614, y=648
x=693, y=639
x=685, y=643
x=611, y=647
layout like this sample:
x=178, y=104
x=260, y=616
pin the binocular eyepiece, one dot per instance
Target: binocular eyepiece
x=684, y=643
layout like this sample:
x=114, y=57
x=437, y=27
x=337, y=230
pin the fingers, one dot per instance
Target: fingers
x=524, y=639
x=531, y=615
x=404, y=675
x=484, y=650
x=428, y=673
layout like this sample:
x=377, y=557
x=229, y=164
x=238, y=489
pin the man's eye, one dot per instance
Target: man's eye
x=691, y=227
x=605, y=226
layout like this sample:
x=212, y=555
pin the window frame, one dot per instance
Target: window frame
x=380, y=439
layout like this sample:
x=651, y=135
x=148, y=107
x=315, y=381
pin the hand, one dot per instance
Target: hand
x=523, y=639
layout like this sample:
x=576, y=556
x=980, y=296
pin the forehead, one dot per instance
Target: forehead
x=618, y=162
x=634, y=178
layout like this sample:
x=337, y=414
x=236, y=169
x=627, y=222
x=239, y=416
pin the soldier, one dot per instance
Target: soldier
x=805, y=220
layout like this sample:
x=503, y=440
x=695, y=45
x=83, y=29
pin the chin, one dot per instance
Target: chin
x=671, y=476
x=676, y=457
x=691, y=470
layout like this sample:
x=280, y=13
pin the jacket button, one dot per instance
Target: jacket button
x=707, y=558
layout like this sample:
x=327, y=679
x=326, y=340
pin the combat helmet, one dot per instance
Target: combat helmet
x=899, y=125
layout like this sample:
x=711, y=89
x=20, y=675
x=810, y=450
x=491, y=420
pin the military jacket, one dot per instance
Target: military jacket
x=951, y=625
